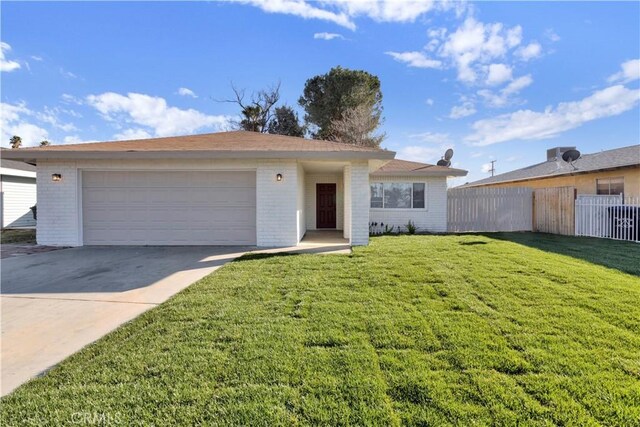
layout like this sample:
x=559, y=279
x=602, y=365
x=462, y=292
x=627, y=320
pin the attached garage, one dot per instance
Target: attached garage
x=168, y=207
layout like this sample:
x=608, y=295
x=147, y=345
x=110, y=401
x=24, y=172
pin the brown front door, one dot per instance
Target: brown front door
x=325, y=206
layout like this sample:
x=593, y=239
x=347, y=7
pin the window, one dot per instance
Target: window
x=609, y=186
x=418, y=195
x=398, y=195
x=376, y=195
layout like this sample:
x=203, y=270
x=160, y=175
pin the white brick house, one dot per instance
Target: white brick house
x=228, y=188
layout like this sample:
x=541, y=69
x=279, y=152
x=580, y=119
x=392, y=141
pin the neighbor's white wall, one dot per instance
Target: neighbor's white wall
x=431, y=219
x=18, y=195
x=301, y=203
x=59, y=205
x=310, y=183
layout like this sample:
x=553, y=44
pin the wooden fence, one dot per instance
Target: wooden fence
x=489, y=209
x=557, y=210
x=554, y=210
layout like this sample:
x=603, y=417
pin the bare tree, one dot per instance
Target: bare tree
x=257, y=111
x=356, y=126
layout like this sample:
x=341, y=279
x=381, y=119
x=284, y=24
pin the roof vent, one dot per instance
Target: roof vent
x=557, y=152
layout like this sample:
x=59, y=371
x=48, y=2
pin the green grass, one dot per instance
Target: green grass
x=416, y=330
x=18, y=236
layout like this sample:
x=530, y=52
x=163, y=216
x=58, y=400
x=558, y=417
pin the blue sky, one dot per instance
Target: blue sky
x=494, y=80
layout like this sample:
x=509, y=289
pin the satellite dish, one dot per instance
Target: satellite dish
x=448, y=154
x=445, y=163
x=570, y=156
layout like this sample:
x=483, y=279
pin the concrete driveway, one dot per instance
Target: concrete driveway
x=55, y=303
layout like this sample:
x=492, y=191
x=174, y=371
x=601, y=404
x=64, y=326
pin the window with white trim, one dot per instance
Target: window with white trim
x=610, y=186
x=397, y=195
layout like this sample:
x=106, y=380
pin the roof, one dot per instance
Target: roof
x=236, y=144
x=405, y=167
x=12, y=164
x=604, y=160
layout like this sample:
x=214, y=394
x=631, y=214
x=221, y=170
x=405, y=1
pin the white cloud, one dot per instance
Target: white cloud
x=31, y=134
x=531, y=125
x=12, y=122
x=630, y=71
x=431, y=137
x=503, y=97
x=67, y=74
x=50, y=116
x=479, y=52
x=419, y=153
x=430, y=101
x=467, y=108
x=70, y=99
x=154, y=113
x=37, y=58
x=415, y=59
x=475, y=44
x=5, y=64
x=387, y=10
x=498, y=74
x=517, y=85
x=343, y=12
x=304, y=10
x=551, y=35
x=187, y=92
x=327, y=36
x=129, y=134
x=486, y=167
x=72, y=139
x=530, y=51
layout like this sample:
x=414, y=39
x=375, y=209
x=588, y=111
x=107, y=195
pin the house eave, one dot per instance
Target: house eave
x=32, y=156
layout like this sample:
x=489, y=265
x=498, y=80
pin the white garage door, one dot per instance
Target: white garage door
x=169, y=208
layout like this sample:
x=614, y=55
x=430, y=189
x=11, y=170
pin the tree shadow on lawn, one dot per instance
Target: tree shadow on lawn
x=620, y=255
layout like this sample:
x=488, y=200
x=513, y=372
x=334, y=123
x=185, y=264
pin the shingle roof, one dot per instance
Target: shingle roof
x=618, y=157
x=221, y=144
x=220, y=141
x=12, y=164
x=405, y=167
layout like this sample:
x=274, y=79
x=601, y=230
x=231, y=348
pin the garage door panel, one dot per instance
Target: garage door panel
x=169, y=208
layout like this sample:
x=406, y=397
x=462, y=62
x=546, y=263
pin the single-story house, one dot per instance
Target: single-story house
x=17, y=193
x=608, y=172
x=228, y=188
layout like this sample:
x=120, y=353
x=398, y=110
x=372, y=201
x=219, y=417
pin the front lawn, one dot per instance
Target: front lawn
x=18, y=236
x=417, y=330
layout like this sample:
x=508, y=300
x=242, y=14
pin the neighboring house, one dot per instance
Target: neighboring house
x=18, y=193
x=228, y=188
x=614, y=171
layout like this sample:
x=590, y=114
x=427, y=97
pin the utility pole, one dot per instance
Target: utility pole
x=493, y=167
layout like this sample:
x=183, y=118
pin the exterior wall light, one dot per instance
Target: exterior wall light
x=56, y=177
x=279, y=177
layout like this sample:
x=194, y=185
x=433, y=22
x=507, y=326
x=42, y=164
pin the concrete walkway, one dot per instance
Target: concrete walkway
x=55, y=303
